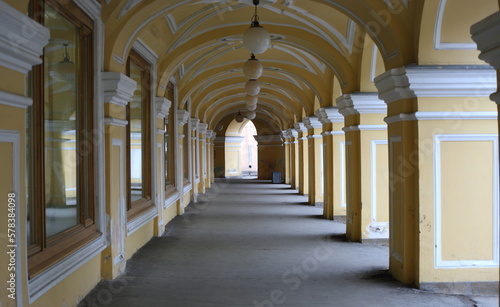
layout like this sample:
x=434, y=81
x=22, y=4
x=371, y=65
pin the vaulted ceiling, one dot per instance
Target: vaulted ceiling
x=315, y=43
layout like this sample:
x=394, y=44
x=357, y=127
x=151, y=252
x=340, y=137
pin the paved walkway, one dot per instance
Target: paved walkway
x=260, y=245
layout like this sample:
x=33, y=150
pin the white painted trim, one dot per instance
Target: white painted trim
x=312, y=122
x=393, y=139
x=373, y=67
x=365, y=128
x=456, y=115
x=111, y=121
x=118, y=88
x=327, y=133
x=438, y=45
x=122, y=214
x=145, y=51
x=140, y=221
x=393, y=85
x=439, y=263
x=14, y=137
x=402, y=117
x=187, y=188
x=343, y=175
x=171, y=200
x=14, y=100
x=329, y=115
x=21, y=40
x=162, y=106
x=314, y=137
x=91, y=8
x=373, y=158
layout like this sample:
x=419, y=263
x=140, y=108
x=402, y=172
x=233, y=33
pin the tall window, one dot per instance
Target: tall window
x=185, y=151
x=59, y=149
x=169, y=143
x=139, y=138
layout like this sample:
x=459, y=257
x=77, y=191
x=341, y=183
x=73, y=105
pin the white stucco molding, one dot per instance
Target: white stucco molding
x=182, y=117
x=361, y=103
x=300, y=127
x=202, y=128
x=293, y=133
x=312, y=122
x=451, y=81
x=194, y=123
x=393, y=85
x=21, y=40
x=162, y=107
x=118, y=88
x=485, y=34
x=270, y=138
x=329, y=115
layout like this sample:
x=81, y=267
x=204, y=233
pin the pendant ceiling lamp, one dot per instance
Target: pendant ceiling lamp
x=239, y=117
x=251, y=100
x=252, y=87
x=251, y=115
x=253, y=68
x=252, y=107
x=256, y=39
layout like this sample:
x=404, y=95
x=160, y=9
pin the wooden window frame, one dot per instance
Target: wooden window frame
x=170, y=130
x=47, y=251
x=136, y=208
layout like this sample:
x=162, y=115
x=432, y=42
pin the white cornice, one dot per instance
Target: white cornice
x=162, y=107
x=312, y=122
x=393, y=85
x=111, y=121
x=214, y=134
x=182, y=117
x=293, y=133
x=13, y=100
x=456, y=115
x=402, y=117
x=365, y=128
x=194, y=123
x=202, y=128
x=329, y=115
x=285, y=134
x=327, y=133
x=485, y=34
x=92, y=8
x=346, y=106
x=118, y=88
x=452, y=81
x=145, y=51
x=300, y=127
x=21, y=40
x=361, y=103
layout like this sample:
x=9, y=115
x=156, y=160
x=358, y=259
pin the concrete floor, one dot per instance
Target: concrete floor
x=260, y=245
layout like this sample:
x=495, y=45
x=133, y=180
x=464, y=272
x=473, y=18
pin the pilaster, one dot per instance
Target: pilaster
x=315, y=153
x=303, y=158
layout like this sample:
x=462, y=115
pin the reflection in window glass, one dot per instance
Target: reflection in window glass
x=60, y=106
x=136, y=150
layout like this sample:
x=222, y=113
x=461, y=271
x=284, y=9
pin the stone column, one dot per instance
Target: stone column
x=367, y=166
x=443, y=150
x=303, y=160
x=195, y=162
x=182, y=119
x=286, y=142
x=202, y=156
x=212, y=157
x=315, y=148
x=118, y=92
x=294, y=158
x=333, y=166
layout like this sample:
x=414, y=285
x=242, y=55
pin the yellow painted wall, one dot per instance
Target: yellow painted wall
x=137, y=239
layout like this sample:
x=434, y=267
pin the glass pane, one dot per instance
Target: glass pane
x=60, y=107
x=135, y=122
x=167, y=153
x=29, y=182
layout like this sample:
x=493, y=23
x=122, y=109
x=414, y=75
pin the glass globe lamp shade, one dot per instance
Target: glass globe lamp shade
x=251, y=115
x=251, y=107
x=253, y=68
x=252, y=87
x=256, y=39
x=251, y=100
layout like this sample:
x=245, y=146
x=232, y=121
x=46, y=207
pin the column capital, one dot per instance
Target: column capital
x=118, y=88
x=300, y=127
x=162, y=107
x=329, y=115
x=361, y=103
x=312, y=122
x=193, y=122
x=485, y=34
x=293, y=133
x=269, y=138
x=393, y=85
x=182, y=117
x=202, y=128
x=21, y=40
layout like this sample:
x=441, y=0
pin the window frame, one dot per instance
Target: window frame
x=45, y=252
x=137, y=208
